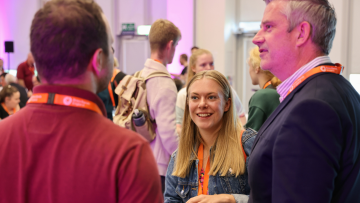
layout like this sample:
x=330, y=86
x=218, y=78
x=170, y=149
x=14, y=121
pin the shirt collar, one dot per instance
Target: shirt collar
x=152, y=64
x=284, y=87
x=71, y=91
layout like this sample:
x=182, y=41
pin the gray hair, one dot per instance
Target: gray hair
x=319, y=14
x=10, y=79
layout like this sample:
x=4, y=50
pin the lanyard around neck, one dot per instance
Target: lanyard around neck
x=204, y=188
x=7, y=110
x=267, y=84
x=337, y=69
x=63, y=100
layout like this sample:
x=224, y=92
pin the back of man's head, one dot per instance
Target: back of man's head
x=319, y=14
x=64, y=36
x=161, y=32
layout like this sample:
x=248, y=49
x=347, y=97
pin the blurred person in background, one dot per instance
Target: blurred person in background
x=193, y=49
x=2, y=70
x=36, y=81
x=265, y=100
x=11, y=80
x=200, y=60
x=25, y=72
x=9, y=101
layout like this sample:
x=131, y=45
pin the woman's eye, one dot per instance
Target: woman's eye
x=212, y=97
x=193, y=97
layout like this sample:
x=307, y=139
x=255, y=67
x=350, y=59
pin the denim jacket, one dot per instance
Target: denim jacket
x=182, y=189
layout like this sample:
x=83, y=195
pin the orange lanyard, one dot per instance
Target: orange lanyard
x=110, y=90
x=64, y=100
x=267, y=84
x=337, y=69
x=204, y=189
x=7, y=110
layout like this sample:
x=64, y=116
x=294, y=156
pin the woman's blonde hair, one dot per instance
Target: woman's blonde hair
x=192, y=62
x=227, y=152
x=254, y=61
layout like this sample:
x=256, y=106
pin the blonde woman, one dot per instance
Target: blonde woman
x=201, y=60
x=265, y=100
x=211, y=158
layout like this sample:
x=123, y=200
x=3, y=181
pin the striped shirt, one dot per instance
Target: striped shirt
x=284, y=87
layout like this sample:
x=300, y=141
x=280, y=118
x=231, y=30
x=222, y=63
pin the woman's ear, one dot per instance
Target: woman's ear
x=257, y=70
x=96, y=61
x=227, y=105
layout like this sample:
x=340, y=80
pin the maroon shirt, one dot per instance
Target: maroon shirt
x=52, y=153
x=25, y=72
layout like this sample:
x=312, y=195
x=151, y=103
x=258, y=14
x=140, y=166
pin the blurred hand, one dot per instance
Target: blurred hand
x=222, y=198
x=29, y=93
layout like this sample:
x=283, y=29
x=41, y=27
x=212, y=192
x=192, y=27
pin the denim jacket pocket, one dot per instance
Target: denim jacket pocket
x=234, y=185
x=183, y=191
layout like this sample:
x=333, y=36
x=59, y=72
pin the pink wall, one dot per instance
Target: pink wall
x=181, y=13
x=15, y=22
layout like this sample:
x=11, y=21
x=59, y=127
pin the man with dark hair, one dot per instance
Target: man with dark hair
x=308, y=149
x=194, y=48
x=161, y=92
x=61, y=147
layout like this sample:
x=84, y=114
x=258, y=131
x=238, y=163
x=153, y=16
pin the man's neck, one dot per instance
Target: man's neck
x=85, y=82
x=304, y=58
x=155, y=56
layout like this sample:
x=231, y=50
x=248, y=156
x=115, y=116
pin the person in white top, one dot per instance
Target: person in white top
x=161, y=92
x=201, y=60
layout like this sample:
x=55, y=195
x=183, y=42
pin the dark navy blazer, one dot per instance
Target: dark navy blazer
x=307, y=151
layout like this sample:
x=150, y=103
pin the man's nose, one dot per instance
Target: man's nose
x=258, y=39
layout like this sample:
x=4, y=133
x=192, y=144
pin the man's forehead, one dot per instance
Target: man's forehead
x=273, y=9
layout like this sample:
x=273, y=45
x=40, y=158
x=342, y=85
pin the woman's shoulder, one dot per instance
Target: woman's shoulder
x=264, y=95
x=181, y=98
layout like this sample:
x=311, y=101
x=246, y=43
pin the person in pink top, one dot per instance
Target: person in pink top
x=61, y=147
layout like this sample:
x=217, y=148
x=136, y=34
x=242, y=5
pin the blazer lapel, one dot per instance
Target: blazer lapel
x=282, y=106
x=272, y=117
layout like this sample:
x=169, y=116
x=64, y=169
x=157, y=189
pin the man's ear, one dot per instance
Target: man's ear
x=304, y=33
x=169, y=44
x=96, y=61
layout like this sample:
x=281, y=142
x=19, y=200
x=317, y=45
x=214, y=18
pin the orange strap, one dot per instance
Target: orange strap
x=203, y=190
x=111, y=94
x=242, y=132
x=267, y=84
x=63, y=100
x=110, y=89
x=337, y=69
x=157, y=60
x=7, y=110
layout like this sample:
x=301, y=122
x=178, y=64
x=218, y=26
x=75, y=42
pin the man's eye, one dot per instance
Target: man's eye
x=268, y=26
